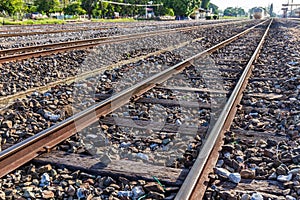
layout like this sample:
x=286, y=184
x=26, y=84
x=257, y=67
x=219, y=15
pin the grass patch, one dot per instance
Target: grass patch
x=114, y=20
x=31, y=21
x=56, y=21
x=232, y=17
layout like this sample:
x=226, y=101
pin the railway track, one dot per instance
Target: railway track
x=44, y=141
x=38, y=30
x=65, y=36
x=265, y=126
x=44, y=50
x=296, y=19
x=19, y=34
x=8, y=101
x=9, y=96
x=208, y=155
x=48, y=49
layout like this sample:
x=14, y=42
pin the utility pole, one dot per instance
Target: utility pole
x=291, y=9
x=287, y=5
x=150, y=3
x=146, y=15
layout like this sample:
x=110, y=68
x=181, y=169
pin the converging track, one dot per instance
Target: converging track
x=217, y=77
x=112, y=54
x=15, y=31
x=13, y=54
x=259, y=158
x=169, y=137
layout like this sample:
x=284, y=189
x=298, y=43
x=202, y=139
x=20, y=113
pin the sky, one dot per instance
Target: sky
x=252, y=3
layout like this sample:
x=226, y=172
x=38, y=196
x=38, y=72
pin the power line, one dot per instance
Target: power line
x=128, y=4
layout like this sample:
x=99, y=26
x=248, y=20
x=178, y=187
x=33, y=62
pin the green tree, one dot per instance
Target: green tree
x=88, y=6
x=74, y=9
x=182, y=7
x=65, y=3
x=215, y=8
x=110, y=10
x=47, y=6
x=103, y=7
x=169, y=11
x=170, y=7
x=12, y=7
x=230, y=11
x=32, y=9
x=128, y=10
x=271, y=11
x=240, y=11
x=205, y=4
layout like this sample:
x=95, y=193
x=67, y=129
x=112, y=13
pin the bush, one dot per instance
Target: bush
x=74, y=9
x=208, y=17
x=169, y=12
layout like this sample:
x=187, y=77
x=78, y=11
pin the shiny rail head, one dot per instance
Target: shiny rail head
x=113, y=102
x=196, y=171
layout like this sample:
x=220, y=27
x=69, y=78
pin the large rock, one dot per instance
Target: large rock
x=235, y=177
x=44, y=168
x=48, y=194
x=247, y=174
x=7, y=124
x=156, y=195
x=153, y=186
x=71, y=191
x=256, y=196
x=2, y=195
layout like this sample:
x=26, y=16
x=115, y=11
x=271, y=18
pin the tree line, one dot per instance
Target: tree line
x=97, y=8
x=238, y=11
x=231, y=11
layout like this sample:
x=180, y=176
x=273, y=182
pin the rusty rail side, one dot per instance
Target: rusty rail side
x=19, y=154
x=194, y=186
x=19, y=32
x=89, y=42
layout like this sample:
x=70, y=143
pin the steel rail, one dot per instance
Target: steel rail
x=76, y=42
x=7, y=100
x=297, y=20
x=49, y=32
x=186, y=191
x=81, y=44
x=18, y=32
x=19, y=154
x=97, y=41
x=91, y=42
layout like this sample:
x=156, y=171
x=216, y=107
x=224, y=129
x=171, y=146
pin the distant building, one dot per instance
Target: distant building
x=295, y=13
x=200, y=13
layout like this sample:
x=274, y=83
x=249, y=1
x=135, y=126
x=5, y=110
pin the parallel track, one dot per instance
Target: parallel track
x=42, y=50
x=19, y=32
x=7, y=100
x=195, y=182
x=277, y=125
x=30, y=148
x=25, y=151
